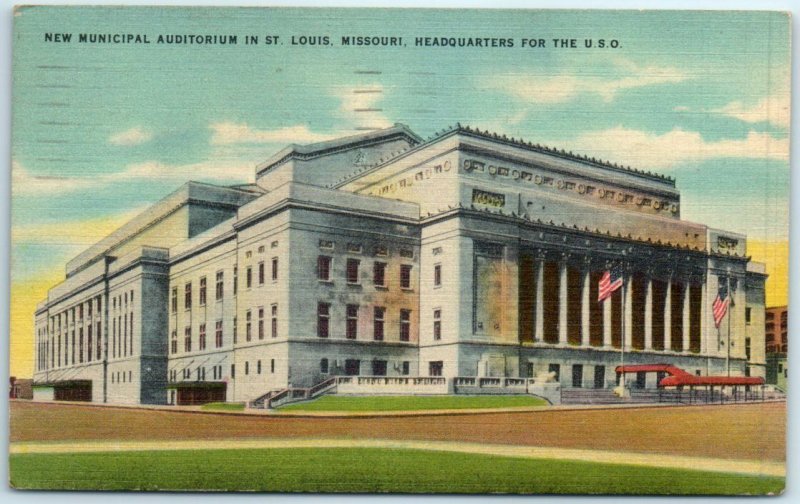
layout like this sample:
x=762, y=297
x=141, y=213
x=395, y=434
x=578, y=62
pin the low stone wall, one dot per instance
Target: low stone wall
x=391, y=385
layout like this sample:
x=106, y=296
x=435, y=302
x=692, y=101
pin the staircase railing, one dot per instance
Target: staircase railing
x=277, y=398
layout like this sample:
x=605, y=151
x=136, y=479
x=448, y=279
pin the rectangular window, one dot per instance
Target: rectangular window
x=235, y=330
x=248, y=326
x=352, y=367
x=272, y=365
x=174, y=342
x=437, y=275
x=233, y=370
x=80, y=343
x=202, y=342
x=130, y=323
x=274, y=269
x=99, y=304
x=747, y=315
x=80, y=311
x=261, y=273
x=379, y=274
x=261, y=323
x=352, y=271
x=352, y=321
x=324, y=268
x=379, y=368
x=123, y=322
x=405, y=325
x=246, y=367
x=405, y=276
x=99, y=344
x=89, y=307
x=220, y=285
x=202, y=291
x=435, y=368
x=406, y=368
x=258, y=366
x=187, y=339
x=555, y=368
x=235, y=280
x=89, y=347
x=323, y=366
x=274, y=322
x=437, y=325
x=174, y=300
x=218, y=335
x=323, y=319
x=248, y=277
x=379, y=312
x=187, y=296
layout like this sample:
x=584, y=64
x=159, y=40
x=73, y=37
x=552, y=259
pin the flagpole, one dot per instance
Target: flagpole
x=622, y=340
x=728, y=355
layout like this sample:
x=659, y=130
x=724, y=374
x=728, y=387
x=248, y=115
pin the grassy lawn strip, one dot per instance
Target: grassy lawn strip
x=223, y=406
x=412, y=403
x=361, y=470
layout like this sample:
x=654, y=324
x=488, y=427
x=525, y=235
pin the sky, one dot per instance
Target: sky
x=101, y=131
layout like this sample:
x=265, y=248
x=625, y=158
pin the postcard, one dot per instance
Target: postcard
x=399, y=250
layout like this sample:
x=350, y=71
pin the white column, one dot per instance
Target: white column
x=607, y=323
x=668, y=316
x=648, y=315
x=538, y=334
x=686, y=317
x=563, y=294
x=703, y=323
x=628, y=312
x=585, y=314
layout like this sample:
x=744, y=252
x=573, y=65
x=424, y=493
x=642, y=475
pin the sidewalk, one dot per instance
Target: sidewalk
x=373, y=414
x=750, y=467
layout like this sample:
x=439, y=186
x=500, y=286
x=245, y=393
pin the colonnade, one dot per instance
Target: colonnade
x=662, y=312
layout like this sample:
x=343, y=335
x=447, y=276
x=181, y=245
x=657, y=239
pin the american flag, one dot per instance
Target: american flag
x=720, y=305
x=609, y=282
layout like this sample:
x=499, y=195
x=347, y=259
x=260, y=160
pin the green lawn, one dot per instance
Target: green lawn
x=361, y=470
x=223, y=406
x=412, y=403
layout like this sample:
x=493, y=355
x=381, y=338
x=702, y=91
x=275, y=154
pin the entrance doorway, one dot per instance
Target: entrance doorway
x=577, y=375
x=599, y=377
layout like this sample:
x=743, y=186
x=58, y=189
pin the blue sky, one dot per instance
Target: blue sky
x=102, y=131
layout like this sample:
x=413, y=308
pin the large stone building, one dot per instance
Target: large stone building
x=468, y=254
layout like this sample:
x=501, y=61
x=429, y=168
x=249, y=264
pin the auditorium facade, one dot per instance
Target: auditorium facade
x=382, y=254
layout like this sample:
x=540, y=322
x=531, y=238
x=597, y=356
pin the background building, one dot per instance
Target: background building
x=469, y=254
x=20, y=388
x=777, y=345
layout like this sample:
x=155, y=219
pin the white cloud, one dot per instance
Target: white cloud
x=773, y=109
x=222, y=170
x=566, y=87
x=71, y=233
x=133, y=136
x=226, y=133
x=648, y=150
x=231, y=170
x=360, y=106
x=25, y=183
x=681, y=108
